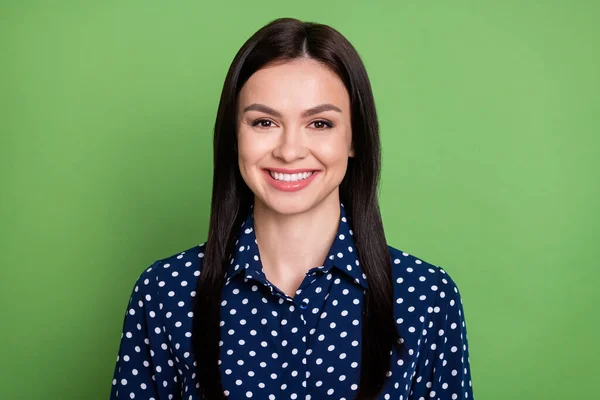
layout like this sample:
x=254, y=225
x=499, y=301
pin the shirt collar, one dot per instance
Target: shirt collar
x=342, y=254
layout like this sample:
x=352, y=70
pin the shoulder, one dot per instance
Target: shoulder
x=425, y=296
x=174, y=274
x=421, y=285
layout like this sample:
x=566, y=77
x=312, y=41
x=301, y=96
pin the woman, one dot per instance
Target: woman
x=296, y=294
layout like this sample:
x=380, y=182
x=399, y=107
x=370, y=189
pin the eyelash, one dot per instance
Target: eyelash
x=328, y=124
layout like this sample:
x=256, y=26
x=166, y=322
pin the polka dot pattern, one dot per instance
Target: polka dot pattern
x=274, y=346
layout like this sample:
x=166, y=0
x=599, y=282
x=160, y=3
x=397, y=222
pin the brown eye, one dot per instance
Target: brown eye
x=262, y=123
x=322, y=124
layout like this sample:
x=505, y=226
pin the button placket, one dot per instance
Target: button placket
x=295, y=351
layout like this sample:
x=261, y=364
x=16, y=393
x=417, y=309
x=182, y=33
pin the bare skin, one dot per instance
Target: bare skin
x=294, y=229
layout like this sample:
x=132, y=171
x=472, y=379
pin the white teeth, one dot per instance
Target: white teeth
x=290, y=177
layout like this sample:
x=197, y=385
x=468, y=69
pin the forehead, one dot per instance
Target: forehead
x=297, y=83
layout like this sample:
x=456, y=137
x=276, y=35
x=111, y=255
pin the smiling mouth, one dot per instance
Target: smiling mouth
x=279, y=176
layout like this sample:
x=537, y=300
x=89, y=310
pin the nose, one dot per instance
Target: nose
x=291, y=145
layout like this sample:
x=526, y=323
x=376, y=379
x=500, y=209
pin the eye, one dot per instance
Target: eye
x=266, y=123
x=263, y=123
x=322, y=124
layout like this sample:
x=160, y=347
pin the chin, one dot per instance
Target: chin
x=295, y=203
x=290, y=206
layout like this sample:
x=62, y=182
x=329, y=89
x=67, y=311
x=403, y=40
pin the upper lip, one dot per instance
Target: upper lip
x=290, y=171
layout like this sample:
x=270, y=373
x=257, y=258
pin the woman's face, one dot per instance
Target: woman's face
x=294, y=135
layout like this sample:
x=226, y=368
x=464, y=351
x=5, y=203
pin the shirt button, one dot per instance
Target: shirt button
x=303, y=305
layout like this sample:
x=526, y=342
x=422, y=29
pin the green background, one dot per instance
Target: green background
x=489, y=122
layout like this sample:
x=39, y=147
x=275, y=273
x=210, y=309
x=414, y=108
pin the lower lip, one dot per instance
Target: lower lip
x=290, y=186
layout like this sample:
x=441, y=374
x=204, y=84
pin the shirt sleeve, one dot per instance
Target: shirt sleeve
x=443, y=371
x=145, y=368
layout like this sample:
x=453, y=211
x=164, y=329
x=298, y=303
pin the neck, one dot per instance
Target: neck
x=292, y=244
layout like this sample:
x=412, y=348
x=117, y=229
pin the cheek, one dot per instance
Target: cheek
x=334, y=151
x=332, y=156
x=250, y=150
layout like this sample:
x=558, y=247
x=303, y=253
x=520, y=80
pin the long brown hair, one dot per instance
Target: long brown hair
x=279, y=41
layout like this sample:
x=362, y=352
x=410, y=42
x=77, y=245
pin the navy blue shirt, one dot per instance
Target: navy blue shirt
x=274, y=346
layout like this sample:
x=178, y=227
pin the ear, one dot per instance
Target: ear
x=351, y=153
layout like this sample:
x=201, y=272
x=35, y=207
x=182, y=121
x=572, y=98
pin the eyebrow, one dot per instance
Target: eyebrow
x=307, y=113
